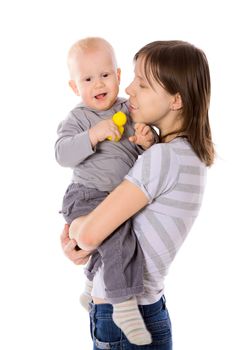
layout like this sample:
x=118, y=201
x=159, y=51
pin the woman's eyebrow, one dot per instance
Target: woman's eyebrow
x=137, y=75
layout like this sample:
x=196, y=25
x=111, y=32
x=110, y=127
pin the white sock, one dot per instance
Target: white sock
x=85, y=298
x=127, y=317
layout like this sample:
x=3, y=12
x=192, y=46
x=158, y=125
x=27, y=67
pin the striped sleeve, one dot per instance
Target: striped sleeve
x=156, y=171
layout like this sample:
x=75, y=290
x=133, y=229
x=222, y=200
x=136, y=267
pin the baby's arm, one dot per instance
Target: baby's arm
x=76, y=142
x=73, y=143
x=102, y=130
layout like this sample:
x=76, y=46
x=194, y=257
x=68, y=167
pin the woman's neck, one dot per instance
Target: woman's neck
x=171, y=127
x=168, y=137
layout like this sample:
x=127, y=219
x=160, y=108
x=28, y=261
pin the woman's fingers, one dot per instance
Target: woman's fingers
x=65, y=235
x=78, y=257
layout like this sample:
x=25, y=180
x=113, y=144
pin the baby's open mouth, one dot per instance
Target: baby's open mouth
x=100, y=96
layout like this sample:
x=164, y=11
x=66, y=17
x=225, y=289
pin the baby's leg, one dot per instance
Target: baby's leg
x=93, y=265
x=127, y=317
x=85, y=298
x=78, y=201
x=123, y=261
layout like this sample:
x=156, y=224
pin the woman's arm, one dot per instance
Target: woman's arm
x=91, y=230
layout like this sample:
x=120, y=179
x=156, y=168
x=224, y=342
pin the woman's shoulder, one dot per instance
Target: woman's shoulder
x=163, y=149
x=179, y=148
x=170, y=158
x=185, y=154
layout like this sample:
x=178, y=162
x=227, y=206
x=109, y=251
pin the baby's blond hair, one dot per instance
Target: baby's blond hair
x=85, y=45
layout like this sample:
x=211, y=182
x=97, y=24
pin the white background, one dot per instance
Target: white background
x=39, y=306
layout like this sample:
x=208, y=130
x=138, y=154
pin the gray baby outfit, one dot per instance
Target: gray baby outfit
x=96, y=172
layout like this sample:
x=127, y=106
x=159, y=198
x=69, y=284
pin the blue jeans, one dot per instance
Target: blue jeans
x=106, y=335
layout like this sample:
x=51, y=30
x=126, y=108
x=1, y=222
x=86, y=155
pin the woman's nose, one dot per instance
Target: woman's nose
x=129, y=90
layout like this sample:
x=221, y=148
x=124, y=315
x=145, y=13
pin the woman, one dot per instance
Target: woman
x=171, y=91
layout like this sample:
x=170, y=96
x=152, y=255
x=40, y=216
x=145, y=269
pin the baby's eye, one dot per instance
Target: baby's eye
x=105, y=75
x=88, y=79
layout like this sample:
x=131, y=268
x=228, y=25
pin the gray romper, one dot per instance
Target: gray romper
x=96, y=172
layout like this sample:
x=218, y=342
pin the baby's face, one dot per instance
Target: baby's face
x=97, y=79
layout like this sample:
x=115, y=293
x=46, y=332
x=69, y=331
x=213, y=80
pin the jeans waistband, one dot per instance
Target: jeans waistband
x=100, y=310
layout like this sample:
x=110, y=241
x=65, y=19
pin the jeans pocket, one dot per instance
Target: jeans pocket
x=160, y=331
x=107, y=331
x=107, y=335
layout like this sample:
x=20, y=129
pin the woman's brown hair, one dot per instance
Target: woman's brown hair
x=182, y=68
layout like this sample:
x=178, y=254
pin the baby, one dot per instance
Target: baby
x=99, y=165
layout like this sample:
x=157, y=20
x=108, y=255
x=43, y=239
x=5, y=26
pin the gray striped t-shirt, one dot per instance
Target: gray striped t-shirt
x=173, y=178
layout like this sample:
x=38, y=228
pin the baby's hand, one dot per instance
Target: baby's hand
x=144, y=135
x=102, y=130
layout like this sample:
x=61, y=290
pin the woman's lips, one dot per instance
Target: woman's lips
x=132, y=107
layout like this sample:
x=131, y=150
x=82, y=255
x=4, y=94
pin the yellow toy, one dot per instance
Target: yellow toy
x=119, y=119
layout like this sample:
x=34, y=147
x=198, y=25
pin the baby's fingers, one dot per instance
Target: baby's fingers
x=141, y=128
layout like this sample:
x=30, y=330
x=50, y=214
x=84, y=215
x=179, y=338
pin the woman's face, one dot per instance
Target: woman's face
x=152, y=105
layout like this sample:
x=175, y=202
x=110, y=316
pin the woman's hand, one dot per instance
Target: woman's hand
x=79, y=257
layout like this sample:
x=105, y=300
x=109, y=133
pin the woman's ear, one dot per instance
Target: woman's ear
x=74, y=87
x=177, y=102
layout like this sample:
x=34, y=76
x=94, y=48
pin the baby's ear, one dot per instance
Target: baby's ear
x=119, y=74
x=74, y=87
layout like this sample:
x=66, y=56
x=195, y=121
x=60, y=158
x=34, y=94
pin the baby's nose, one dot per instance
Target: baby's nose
x=99, y=83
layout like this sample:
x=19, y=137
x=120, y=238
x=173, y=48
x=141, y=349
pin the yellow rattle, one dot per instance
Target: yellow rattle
x=119, y=120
